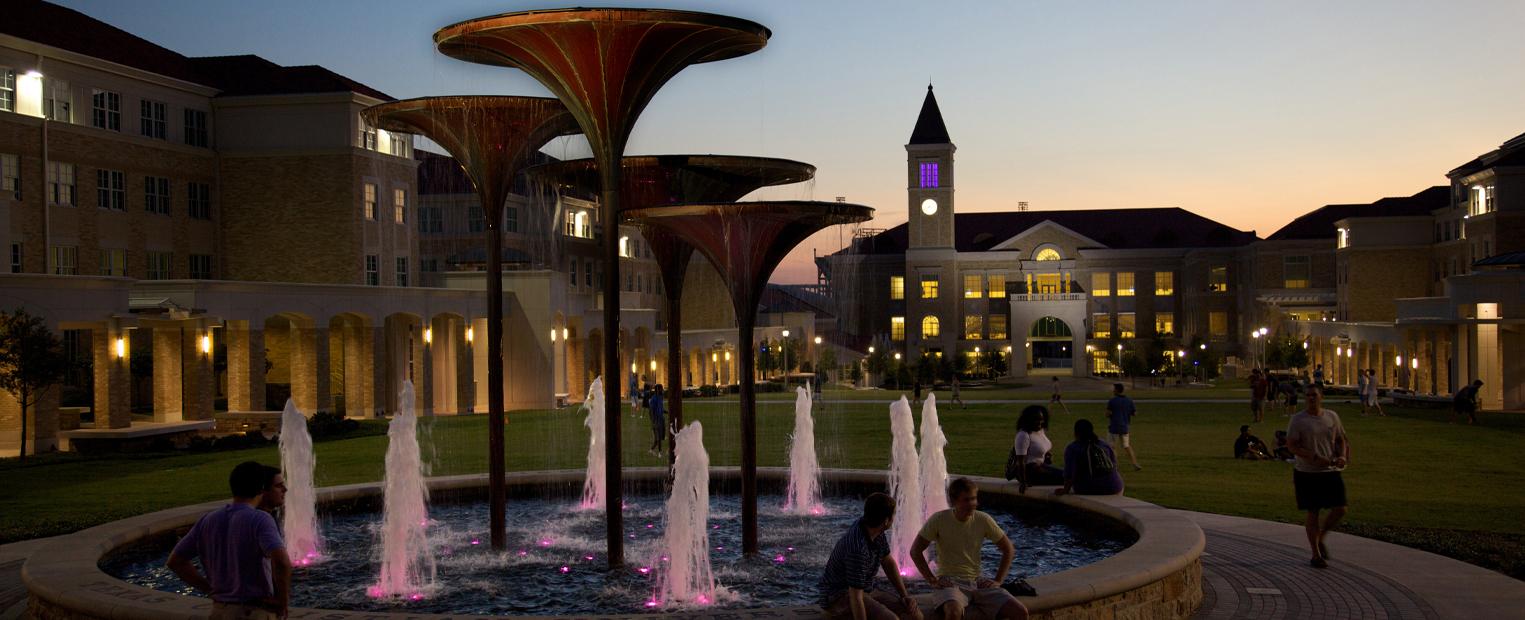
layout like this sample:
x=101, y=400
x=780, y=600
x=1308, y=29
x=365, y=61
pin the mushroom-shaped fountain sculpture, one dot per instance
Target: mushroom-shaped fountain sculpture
x=657, y=180
x=605, y=65
x=746, y=241
x=491, y=137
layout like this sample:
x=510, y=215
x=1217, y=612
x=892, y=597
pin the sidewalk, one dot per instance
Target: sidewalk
x=1259, y=569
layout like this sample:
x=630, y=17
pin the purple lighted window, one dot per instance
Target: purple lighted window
x=929, y=174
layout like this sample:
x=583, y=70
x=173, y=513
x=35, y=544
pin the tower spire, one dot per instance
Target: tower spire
x=929, y=124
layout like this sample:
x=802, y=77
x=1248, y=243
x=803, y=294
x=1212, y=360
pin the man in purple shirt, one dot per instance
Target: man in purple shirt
x=248, y=574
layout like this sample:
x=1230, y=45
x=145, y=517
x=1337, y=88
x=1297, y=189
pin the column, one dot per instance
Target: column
x=423, y=372
x=168, y=375
x=309, y=369
x=359, y=376
x=198, y=389
x=113, y=376
x=464, y=385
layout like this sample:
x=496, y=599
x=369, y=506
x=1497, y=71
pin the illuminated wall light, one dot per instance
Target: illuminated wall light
x=727, y=356
x=553, y=334
x=632, y=367
x=121, y=347
x=653, y=365
x=428, y=335
x=1350, y=352
x=469, y=334
x=564, y=333
x=1398, y=361
x=206, y=343
x=1414, y=363
x=1338, y=351
x=818, y=340
x=714, y=357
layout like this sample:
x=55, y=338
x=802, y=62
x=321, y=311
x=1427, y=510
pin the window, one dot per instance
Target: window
x=1101, y=284
x=997, y=286
x=997, y=327
x=158, y=265
x=1125, y=324
x=62, y=257
x=58, y=101
x=929, y=287
x=930, y=328
x=579, y=224
x=15, y=258
x=400, y=205
x=1164, y=283
x=1125, y=284
x=372, y=270
x=929, y=174
x=897, y=287
x=1342, y=238
x=1047, y=254
x=201, y=266
x=1482, y=200
x=1217, y=279
x=1101, y=325
x=1296, y=272
x=402, y=271
x=155, y=118
x=574, y=279
x=60, y=184
x=589, y=275
x=370, y=201
x=624, y=249
x=196, y=127
x=156, y=195
x=1165, y=323
x=475, y=221
x=974, y=327
x=7, y=90
x=430, y=220
x=106, y=110
x=511, y=219
x=199, y=200
x=10, y=175
x=897, y=328
x=1217, y=324
x=429, y=265
x=111, y=190
x=974, y=286
x=113, y=262
x=367, y=136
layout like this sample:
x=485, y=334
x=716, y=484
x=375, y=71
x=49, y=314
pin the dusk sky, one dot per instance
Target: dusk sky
x=1250, y=114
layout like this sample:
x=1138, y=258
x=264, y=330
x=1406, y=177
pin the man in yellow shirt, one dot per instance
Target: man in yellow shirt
x=959, y=532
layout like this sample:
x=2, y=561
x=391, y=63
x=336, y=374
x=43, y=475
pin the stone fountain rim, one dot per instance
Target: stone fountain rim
x=65, y=575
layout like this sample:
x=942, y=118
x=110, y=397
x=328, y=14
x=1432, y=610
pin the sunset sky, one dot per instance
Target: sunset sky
x=1248, y=113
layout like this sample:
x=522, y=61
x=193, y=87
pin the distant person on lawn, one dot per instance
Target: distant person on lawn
x=956, y=397
x=1090, y=466
x=1465, y=402
x=1283, y=452
x=248, y=574
x=959, y=532
x=1056, y=398
x=847, y=582
x=1258, y=390
x=1372, y=399
x=1248, y=446
x=1120, y=412
x=1317, y=438
x=657, y=410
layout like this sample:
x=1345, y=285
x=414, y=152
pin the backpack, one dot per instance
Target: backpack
x=1098, y=462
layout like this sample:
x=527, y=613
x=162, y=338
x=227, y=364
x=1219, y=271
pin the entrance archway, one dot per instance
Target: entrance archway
x=1048, y=347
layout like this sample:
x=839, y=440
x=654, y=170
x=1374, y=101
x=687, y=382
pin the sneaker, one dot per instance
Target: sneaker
x=1137, y=467
x=1318, y=563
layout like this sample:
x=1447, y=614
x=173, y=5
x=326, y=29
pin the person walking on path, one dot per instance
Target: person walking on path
x=1361, y=382
x=1374, y=392
x=656, y=409
x=1258, y=390
x=1465, y=402
x=247, y=571
x=1057, y=398
x=1120, y=412
x=847, y=581
x=1321, y=448
x=959, y=532
x=956, y=398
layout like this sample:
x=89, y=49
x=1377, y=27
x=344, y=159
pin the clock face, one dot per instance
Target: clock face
x=929, y=206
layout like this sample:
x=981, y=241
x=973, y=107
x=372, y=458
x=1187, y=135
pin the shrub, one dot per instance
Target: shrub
x=325, y=424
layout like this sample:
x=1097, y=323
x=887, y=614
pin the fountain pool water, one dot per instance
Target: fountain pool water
x=683, y=568
x=934, y=466
x=804, y=494
x=554, y=563
x=299, y=518
x=593, y=484
x=407, y=567
x=905, y=484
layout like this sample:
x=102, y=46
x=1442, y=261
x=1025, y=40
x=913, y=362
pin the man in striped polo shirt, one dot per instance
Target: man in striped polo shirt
x=847, y=583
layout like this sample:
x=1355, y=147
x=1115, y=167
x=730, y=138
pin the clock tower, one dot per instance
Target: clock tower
x=929, y=172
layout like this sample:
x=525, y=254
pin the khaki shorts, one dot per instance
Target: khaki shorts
x=877, y=605
x=232, y=611
x=986, y=602
x=1120, y=441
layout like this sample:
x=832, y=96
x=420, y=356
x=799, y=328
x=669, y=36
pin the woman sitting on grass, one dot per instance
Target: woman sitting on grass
x=1090, y=467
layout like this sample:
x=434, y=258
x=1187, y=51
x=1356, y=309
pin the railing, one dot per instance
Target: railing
x=1048, y=297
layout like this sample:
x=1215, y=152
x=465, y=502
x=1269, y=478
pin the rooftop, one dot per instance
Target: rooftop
x=1167, y=227
x=1319, y=223
x=929, y=124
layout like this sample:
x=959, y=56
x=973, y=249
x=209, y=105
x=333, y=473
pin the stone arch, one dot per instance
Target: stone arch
x=1050, y=327
x=1047, y=252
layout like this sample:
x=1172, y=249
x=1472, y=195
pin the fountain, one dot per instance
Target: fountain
x=745, y=241
x=491, y=137
x=934, y=466
x=593, y=484
x=407, y=563
x=299, y=518
x=804, y=493
x=605, y=65
x=657, y=180
x=686, y=576
x=905, y=484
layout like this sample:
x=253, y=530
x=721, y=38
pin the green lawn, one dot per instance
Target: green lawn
x=1415, y=479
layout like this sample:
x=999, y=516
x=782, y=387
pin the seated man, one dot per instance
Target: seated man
x=1283, y=451
x=1248, y=446
x=847, y=583
x=959, y=533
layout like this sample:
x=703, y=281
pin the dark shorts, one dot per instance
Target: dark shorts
x=1318, y=491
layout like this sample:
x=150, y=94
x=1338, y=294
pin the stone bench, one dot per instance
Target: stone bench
x=136, y=438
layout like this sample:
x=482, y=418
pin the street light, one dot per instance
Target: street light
x=871, y=349
x=818, y=340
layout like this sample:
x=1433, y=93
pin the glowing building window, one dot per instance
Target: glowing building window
x=1101, y=284
x=974, y=327
x=1101, y=325
x=1217, y=279
x=370, y=201
x=1125, y=324
x=973, y=286
x=1296, y=272
x=1164, y=283
x=1125, y=284
x=1217, y=324
x=897, y=328
x=8, y=90
x=930, y=327
x=897, y=287
x=1342, y=238
x=997, y=327
x=1482, y=200
x=929, y=174
x=1165, y=323
x=1047, y=254
x=929, y=287
x=997, y=286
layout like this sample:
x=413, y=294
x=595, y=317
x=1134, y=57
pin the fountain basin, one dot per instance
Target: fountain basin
x=1159, y=575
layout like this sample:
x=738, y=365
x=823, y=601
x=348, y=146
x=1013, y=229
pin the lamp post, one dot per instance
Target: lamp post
x=783, y=346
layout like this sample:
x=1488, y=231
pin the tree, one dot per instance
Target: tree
x=878, y=363
x=995, y=364
x=32, y=360
x=1286, y=352
x=1134, y=365
x=827, y=362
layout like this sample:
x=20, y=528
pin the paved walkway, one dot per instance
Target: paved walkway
x=1259, y=569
